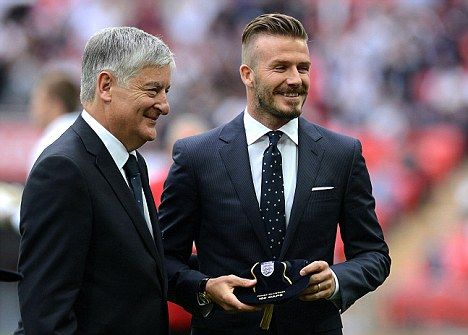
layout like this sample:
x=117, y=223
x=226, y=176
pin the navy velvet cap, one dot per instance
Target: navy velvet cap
x=277, y=282
x=9, y=276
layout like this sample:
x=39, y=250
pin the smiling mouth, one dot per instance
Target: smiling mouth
x=152, y=117
x=290, y=95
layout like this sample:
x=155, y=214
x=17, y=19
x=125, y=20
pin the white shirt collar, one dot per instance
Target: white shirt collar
x=254, y=130
x=116, y=149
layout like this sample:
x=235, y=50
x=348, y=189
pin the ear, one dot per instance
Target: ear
x=105, y=81
x=247, y=75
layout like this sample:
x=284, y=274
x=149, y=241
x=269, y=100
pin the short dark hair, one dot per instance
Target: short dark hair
x=272, y=24
x=62, y=87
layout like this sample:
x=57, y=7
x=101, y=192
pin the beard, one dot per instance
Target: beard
x=266, y=105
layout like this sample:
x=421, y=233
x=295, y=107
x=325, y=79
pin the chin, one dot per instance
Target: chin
x=286, y=110
x=280, y=110
x=142, y=140
x=149, y=134
x=288, y=114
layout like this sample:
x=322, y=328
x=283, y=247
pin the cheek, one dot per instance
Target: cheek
x=264, y=90
x=123, y=118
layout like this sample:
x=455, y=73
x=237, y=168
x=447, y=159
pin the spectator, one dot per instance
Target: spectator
x=54, y=108
x=181, y=126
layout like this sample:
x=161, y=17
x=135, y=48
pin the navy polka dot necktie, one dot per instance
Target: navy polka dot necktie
x=272, y=197
x=132, y=172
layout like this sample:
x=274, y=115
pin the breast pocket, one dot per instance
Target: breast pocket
x=323, y=205
x=323, y=195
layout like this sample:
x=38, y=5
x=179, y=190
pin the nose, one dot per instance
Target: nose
x=294, y=78
x=162, y=103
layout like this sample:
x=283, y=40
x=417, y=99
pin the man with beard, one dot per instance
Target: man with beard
x=270, y=186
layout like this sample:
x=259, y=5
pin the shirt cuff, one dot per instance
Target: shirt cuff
x=336, y=294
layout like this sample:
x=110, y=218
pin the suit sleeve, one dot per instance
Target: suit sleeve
x=180, y=220
x=367, y=255
x=55, y=231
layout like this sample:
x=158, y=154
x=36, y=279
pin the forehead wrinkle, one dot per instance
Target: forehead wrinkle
x=256, y=46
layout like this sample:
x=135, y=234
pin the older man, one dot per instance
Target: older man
x=91, y=252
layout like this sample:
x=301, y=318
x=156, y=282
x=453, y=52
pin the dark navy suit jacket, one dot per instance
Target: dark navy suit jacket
x=89, y=262
x=209, y=198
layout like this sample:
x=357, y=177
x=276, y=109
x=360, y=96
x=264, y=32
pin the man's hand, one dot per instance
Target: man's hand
x=321, y=282
x=220, y=290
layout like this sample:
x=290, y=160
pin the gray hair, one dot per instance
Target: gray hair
x=124, y=51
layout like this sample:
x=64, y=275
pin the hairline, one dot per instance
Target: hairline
x=270, y=24
x=133, y=59
x=250, y=43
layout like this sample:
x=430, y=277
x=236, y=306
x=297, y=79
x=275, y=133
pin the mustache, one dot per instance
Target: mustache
x=299, y=90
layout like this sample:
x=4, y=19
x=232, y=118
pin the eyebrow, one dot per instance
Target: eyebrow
x=153, y=84
x=285, y=62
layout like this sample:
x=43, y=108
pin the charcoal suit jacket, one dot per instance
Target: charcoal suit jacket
x=209, y=198
x=89, y=262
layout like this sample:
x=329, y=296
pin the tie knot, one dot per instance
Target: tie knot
x=131, y=167
x=274, y=136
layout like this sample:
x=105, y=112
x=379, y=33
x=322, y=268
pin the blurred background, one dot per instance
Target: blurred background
x=393, y=73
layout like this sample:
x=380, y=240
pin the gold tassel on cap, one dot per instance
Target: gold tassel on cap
x=267, y=315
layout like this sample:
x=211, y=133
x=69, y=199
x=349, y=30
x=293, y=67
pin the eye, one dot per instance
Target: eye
x=152, y=93
x=303, y=70
x=280, y=68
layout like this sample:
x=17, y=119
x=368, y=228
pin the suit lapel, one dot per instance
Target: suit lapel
x=108, y=169
x=235, y=156
x=310, y=155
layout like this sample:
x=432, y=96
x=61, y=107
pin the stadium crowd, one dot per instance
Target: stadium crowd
x=392, y=73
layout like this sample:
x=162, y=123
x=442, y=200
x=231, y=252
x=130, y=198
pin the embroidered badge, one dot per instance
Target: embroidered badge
x=267, y=268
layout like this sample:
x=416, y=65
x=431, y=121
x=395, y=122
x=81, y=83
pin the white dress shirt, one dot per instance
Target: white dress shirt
x=118, y=153
x=257, y=142
x=52, y=132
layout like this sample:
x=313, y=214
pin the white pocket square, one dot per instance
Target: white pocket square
x=322, y=188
